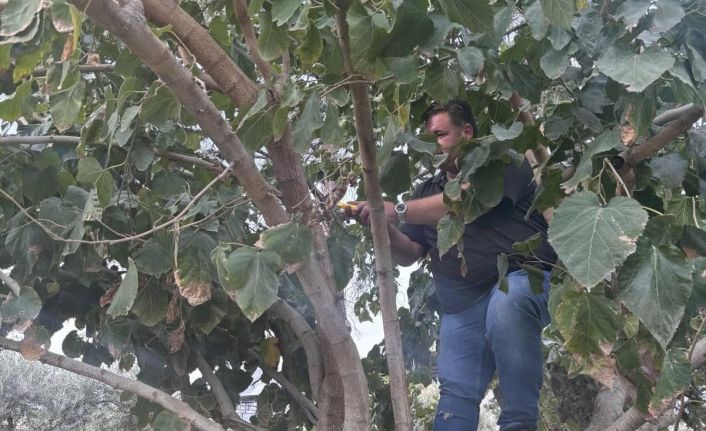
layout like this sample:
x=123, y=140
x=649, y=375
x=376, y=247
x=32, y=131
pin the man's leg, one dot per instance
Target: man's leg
x=465, y=367
x=514, y=324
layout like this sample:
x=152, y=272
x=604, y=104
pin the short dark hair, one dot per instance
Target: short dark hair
x=459, y=111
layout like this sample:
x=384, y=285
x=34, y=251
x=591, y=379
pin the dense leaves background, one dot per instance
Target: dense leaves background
x=78, y=211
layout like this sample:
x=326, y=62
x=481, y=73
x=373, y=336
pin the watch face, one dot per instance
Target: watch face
x=401, y=207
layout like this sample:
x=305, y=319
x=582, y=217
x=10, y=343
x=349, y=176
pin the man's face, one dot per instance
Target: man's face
x=446, y=132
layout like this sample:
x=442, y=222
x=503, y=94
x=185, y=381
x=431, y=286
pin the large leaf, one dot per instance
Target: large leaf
x=160, y=106
x=24, y=307
x=65, y=105
x=193, y=275
x=153, y=258
x=273, y=38
x=559, y=12
x=667, y=14
x=538, y=22
x=410, y=14
x=151, y=304
x=476, y=15
x=251, y=279
x=309, y=121
x=312, y=46
x=283, y=10
x=637, y=71
x=674, y=377
x=586, y=321
x=292, y=241
x=632, y=11
x=17, y=16
x=669, y=169
x=441, y=82
x=126, y=293
x=18, y=104
x=592, y=240
x=90, y=172
x=655, y=284
x=168, y=421
x=450, y=232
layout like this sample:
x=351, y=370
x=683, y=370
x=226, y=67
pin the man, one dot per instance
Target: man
x=483, y=330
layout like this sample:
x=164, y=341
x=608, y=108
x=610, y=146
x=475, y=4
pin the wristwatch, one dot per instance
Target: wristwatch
x=401, y=210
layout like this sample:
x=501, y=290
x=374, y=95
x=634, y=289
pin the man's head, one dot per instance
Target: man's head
x=450, y=123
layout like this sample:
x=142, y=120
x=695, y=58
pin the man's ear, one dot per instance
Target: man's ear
x=468, y=131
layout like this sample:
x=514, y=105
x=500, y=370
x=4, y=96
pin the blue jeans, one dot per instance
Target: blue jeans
x=502, y=332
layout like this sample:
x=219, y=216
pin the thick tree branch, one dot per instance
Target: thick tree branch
x=637, y=153
x=130, y=27
x=83, y=68
x=233, y=82
x=35, y=140
x=240, y=7
x=671, y=114
x=307, y=338
x=11, y=283
x=362, y=113
x=178, y=407
x=225, y=404
x=310, y=410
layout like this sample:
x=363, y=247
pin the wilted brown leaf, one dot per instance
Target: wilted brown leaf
x=107, y=297
x=173, y=310
x=194, y=291
x=627, y=134
x=176, y=338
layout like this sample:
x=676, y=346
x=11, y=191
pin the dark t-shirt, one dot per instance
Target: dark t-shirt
x=483, y=240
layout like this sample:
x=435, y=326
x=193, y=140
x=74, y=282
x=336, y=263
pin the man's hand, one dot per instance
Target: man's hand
x=361, y=211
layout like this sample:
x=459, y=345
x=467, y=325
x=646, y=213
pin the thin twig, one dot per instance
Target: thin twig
x=11, y=283
x=691, y=352
x=617, y=175
x=177, y=218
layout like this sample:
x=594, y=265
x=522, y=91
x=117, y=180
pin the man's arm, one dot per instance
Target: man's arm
x=404, y=251
x=428, y=210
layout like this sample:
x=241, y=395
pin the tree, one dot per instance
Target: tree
x=172, y=170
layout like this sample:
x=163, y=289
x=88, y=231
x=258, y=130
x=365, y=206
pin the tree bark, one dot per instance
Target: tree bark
x=123, y=19
x=225, y=404
x=381, y=240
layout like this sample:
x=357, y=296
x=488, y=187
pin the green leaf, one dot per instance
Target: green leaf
x=168, y=421
x=395, y=175
x=486, y=191
x=257, y=131
x=65, y=105
x=312, y=46
x=410, y=14
x=366, y=32
x=126, y=293
x=559, y=12
x=24, y=307
x=538, y=22
x=151, y=304
x=593, y=240
x=504, y=134
x=587, y=322
x=450, y=231
x=684, y=210
x=588, y=118
x=637, y=71
x=655, y=284
x=341, y=247
x=309, y=121
x=632, y=10
x=528, y=246
x=471, y=60
x=405, y=69
x=18, y=15
x=252, y=280
x=153, y=258
x=441, y=82
x=606, y=141
x=416, y=144
x=160, y=106
x=667, y=14
x=20, y=103
x=283, y=10
x=90, y=172
x=273, y=39
x=193, y=275
x=674, y=377
x=331, y=132
x=476, y=15
x=670, y=170
x=554, y=62
x=292, y=241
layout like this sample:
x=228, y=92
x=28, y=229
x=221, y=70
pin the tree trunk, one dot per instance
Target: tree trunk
x=381, y=239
